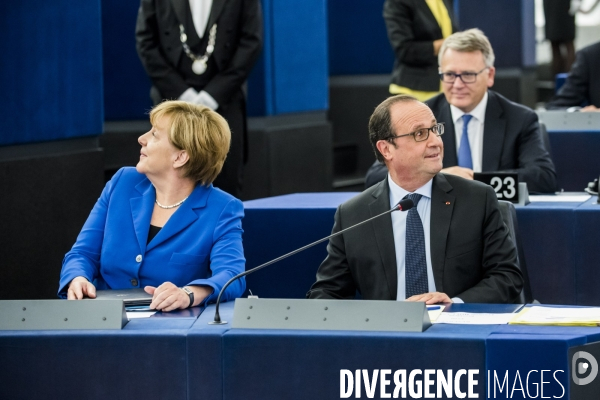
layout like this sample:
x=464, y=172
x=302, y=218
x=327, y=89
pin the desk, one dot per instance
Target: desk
x=561, y=245
x=147, y=359
x=181, y=357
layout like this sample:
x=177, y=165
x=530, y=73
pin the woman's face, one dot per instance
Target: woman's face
x=158, y=153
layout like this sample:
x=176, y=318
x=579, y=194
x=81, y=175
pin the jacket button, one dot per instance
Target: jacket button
x=134, y=282
x=138, y=258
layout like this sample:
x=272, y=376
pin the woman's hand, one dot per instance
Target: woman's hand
x=80, y=288
x=168, y=297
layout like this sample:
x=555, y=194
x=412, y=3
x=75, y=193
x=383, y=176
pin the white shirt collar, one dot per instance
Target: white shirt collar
x=397, y=193
x=478, y=112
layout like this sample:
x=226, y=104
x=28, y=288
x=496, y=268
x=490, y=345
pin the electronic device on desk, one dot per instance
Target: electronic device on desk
x=130, y=297
x=506, y=186
x=593, y=188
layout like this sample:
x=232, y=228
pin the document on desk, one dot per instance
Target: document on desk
x=565, y=316
x=468, y=318
x=561, y=198
x=139, y=314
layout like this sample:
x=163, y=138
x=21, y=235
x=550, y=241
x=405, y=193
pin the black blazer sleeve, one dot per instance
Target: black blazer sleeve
x=575, y=91
x=169, y=82
x=246, y=38
x=499, y=278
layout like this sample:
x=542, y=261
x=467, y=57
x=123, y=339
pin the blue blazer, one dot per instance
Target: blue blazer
x=201, y=244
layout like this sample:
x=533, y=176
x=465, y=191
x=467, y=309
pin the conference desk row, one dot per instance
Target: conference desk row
x=561, y=241
x=181, y=356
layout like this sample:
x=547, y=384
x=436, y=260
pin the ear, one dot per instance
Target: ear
x=181, y=159
x=384, y=148
x=491, y=76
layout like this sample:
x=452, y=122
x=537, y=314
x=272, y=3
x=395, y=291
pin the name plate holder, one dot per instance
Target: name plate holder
x=62, y=314
x=343, y=315
x=506, y=186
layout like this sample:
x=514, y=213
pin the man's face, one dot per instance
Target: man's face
x=408, y=159
x=466, y=96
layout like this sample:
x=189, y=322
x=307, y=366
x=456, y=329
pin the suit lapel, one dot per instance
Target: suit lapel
x=184, y=15
x=141, y=211
x=215, y=12
x=442, y=205
x=449, y=136
x=494, y=130
x=184, y=216
x=384, y=236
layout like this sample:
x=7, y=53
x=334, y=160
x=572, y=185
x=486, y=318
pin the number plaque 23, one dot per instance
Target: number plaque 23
x=505, y=185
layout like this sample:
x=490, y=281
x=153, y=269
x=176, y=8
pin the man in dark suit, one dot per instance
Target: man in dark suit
x=451, y=246
x=583, y=83
x=202, y=51
x=485, y=132
x=416, y=30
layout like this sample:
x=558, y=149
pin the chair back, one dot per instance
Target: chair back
x=509, y=216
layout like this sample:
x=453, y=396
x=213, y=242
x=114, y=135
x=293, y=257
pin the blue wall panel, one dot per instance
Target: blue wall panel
x=358, y=42
x=126, y=85
x=510, y=26
x=51, y=70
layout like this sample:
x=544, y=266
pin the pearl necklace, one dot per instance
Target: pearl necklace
x=172, y=206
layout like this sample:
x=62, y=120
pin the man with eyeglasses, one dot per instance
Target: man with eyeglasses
x=485, y=132
x=452, y=246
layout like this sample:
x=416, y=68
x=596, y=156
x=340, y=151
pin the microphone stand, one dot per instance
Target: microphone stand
x=403, y=205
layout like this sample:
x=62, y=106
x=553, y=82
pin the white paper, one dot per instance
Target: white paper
x=434, y=314
x=466, y=318
x=576, y=198
x=140, y=314
x=538, y=314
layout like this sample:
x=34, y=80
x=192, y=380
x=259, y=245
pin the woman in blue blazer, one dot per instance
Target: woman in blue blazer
x=162, y=225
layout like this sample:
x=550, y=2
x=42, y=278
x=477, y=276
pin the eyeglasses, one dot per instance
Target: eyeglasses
x=466, y=77
x=422, y=134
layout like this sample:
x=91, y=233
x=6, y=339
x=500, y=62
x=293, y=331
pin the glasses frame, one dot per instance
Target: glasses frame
x=438, y=125
x=461, y=76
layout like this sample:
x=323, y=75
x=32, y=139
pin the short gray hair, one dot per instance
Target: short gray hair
x=469, y=41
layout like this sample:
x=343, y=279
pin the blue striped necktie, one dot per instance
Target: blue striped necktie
x=415, y=271
x=464, y=152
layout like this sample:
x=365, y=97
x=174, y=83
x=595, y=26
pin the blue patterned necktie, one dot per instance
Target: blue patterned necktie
x=416, y=265
x=464, y=152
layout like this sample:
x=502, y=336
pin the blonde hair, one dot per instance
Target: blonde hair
x=201, y=132
x=469, y=41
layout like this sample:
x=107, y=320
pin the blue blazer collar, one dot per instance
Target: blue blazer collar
x=143, y=205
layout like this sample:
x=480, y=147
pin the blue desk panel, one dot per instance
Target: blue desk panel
x=144, y=360
x=277, y=225
x=587, y=237
x=575, y=155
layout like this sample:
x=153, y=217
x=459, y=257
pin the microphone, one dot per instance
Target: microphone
x=403, y=205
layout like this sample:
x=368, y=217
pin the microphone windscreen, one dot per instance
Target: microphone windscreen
x=405, y=205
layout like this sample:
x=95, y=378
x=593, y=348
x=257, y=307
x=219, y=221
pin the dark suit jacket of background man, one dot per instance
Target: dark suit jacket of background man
x=411, y=28
x=583, y=83
x=472, y=256
x=237, y=47
x=512, y=141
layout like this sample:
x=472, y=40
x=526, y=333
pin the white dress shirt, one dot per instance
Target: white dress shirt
x=475, y=130
x=200, y=13
x=399, y=229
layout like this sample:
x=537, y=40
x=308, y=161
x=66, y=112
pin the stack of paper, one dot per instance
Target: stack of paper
x=564, y=316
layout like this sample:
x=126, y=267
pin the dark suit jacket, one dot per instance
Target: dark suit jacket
x=583, y=83
x=237, y=46
x=512, y=141
x=472, y=255
x=412, y=29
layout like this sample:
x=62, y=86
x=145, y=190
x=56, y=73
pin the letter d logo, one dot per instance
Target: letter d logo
x=583, y=367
